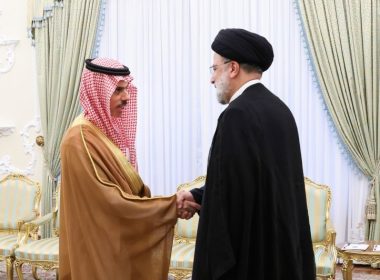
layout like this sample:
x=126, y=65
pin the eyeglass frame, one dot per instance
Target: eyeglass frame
x=213, y=67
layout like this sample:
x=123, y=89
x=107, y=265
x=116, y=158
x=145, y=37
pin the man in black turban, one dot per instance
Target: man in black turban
x=253, y=221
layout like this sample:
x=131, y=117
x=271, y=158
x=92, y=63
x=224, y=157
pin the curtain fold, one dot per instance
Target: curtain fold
x=344, y=41
x=64, y=35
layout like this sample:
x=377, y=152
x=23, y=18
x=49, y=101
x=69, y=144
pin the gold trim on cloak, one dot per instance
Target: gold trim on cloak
x=134, y=180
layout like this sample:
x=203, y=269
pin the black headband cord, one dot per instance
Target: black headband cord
x=106, y=70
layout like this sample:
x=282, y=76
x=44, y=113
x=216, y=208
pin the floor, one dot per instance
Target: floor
x=360, y=272
x=44, y=275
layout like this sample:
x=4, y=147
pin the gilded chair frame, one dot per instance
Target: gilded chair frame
x=9, y=260
x=20, y=229
x=33, y=226
x=328, y=244
x=184, y=273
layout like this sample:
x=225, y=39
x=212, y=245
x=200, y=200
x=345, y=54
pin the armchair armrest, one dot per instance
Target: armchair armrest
x=24, y=220
x=33, y=225
x=330, y=234
x=326, y=253
x=41, y=220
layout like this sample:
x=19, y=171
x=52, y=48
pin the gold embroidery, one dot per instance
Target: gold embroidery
x=132, y=176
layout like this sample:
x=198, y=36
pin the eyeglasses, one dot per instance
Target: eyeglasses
x=215, y=66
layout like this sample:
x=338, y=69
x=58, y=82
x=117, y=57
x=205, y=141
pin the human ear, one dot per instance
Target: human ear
x=235, y=68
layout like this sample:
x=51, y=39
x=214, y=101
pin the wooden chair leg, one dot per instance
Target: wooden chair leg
x=18, y=267
x=34, y=272
x=9, y=263
x=57, y=274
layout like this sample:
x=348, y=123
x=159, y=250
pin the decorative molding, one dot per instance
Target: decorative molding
x=6, y=165
x=6, y=129
x=7, y=59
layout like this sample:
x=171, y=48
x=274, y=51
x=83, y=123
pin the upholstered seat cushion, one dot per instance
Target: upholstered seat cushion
x=187, y=228
x=325, y=261
x=7, y=244
x=182, y=256
x=39, y=250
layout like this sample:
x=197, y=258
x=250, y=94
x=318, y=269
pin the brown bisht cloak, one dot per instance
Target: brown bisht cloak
x=110, y=228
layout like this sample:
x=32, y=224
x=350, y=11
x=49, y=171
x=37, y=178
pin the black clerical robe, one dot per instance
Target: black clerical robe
x=254, y=221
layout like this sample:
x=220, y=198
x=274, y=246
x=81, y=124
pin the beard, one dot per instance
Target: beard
x=222, y=88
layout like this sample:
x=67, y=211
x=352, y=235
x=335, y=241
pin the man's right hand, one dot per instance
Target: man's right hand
x=186, y=205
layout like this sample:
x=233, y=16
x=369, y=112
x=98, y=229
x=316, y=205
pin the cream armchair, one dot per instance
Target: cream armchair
x=41, y=253
x=322, y=233
x=19, y=203
x=185, y=233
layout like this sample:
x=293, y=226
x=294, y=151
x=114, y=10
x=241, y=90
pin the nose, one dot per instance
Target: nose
x=212, y=80
x=125, y=95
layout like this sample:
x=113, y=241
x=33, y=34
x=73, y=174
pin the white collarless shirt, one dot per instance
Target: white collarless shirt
x=242, y=89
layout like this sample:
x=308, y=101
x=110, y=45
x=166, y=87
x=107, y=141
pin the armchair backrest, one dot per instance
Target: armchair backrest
x=19, y=201
x=186, y=230
x=318, y=205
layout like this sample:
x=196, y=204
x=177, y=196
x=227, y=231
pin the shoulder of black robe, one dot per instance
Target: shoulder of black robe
x=254, y=216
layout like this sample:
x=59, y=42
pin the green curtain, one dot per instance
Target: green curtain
x=64, y=35
x=344, y=40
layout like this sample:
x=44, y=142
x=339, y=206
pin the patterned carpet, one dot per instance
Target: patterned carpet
x=362, y=272
x=27, y=272
x=358, y=276
x=51, y=274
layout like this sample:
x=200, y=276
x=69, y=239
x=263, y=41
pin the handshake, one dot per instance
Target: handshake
x=186, y=205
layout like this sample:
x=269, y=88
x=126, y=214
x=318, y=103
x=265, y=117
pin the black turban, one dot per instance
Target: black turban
x=244, y=47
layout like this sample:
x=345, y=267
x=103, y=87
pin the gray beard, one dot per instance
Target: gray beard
x=220, y=97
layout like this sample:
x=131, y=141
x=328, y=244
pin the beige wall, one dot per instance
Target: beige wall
x=19, y=111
